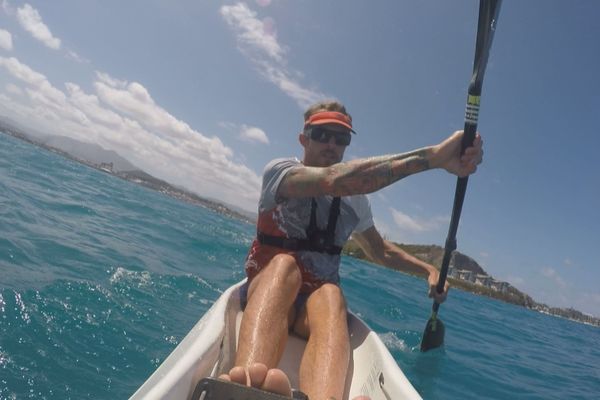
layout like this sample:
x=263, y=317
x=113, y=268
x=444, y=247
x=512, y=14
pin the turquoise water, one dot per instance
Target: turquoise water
x=100, y=279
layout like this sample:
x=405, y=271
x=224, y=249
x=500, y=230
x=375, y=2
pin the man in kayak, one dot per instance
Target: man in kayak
x=307, y=211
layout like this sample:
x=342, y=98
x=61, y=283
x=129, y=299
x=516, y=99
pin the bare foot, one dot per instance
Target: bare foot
x=258, y=376
x=270, y=380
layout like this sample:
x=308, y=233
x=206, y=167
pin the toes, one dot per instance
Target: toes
x=257, y=373
x=238, y=375
x=277, y=382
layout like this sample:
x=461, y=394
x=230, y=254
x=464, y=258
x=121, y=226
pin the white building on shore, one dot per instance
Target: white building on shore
x=483, y=280
x=478, y=279
x=499, y=286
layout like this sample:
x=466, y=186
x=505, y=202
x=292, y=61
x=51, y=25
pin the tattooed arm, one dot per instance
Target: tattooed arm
x=354, y=177
x=370, y=174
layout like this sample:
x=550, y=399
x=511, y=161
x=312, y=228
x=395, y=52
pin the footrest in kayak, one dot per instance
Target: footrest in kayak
x=217, y=389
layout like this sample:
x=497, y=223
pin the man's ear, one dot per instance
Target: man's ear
x=303, y=139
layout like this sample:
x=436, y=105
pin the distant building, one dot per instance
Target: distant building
x=500, y=286
x=483, y=280
x=453, y=272
x=106, y=167
x=466, y=275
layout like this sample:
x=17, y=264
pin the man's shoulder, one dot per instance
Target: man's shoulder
x=283, y=162
x=358, y=200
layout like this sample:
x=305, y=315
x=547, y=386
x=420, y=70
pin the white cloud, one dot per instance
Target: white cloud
x=6, y=40
x=289, y=85
x=7, y=8
x=253, y=134
x=31, y=21
x=258, y=41
x=203, y=160
x=76, y=57
x=124, y=117
x=22, y=71
x=105, y=78
x=407, y=223
x=251, y=32
x=568, y=262
x=560, y=292
x=551, y=274
x=14, y=89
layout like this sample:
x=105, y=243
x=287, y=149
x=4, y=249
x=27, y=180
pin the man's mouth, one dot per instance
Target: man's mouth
x=328, y=154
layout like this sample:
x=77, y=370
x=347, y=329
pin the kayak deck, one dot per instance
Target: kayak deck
x=209, y=350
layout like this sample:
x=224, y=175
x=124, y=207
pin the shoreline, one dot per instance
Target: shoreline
x=511, y=296
x=141, y=178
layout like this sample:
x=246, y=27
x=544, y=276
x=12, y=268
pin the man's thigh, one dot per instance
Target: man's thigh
x=283, y=270
x=322, y=306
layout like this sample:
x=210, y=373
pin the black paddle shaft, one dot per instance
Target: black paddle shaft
x=488, y=14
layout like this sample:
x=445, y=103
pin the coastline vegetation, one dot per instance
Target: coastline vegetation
x=433, y=255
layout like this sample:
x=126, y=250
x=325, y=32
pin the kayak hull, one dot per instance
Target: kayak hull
x=209, y=350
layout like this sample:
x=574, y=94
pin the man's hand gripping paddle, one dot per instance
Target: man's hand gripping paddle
x=433, y=336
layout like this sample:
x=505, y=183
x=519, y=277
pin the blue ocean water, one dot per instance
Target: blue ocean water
x=100, y=279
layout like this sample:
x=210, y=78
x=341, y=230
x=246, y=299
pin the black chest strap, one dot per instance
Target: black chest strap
x=319, y=240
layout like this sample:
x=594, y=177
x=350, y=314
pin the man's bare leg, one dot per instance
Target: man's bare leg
x=269, y=313
x=265, y=324
x=325, y=361
x=262, y=341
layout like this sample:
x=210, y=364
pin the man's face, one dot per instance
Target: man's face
x=318, y=154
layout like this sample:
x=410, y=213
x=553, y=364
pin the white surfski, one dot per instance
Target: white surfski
x=209, y=350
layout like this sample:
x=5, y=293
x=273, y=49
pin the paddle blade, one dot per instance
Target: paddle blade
x=433, y=337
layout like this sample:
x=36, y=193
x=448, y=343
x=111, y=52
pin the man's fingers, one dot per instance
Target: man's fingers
x=438, y=297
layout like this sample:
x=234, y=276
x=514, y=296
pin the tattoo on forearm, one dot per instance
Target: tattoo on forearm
x=370, y=174
x=360, y=176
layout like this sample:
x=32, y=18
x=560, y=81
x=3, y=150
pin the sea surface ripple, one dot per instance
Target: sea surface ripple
x=100, y=279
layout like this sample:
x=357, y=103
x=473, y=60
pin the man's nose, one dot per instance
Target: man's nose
x=331, y=142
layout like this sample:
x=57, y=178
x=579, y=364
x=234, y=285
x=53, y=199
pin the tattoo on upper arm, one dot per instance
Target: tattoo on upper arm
x=304, y=182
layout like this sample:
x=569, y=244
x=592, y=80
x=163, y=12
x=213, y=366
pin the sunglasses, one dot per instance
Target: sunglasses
x=323, y=135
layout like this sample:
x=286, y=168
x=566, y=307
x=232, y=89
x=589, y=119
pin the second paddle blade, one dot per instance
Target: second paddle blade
x=433, y=337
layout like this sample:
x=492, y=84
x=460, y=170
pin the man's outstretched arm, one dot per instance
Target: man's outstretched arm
x=367, y=175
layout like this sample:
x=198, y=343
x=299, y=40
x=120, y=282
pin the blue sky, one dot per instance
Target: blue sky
x=204, y=94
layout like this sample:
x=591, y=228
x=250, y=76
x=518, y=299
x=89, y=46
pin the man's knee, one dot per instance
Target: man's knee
x=287, y=270
x=332, y=297
x=281, y=272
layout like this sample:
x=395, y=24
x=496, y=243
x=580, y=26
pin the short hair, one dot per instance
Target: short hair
x=327, y=105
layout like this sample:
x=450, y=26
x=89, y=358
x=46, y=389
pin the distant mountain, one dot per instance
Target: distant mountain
x=89, y=152
x=18, y=130
x=149, y=181
x=433, y=255
x=97, y=157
